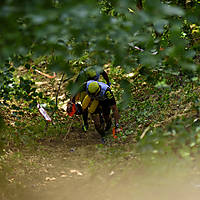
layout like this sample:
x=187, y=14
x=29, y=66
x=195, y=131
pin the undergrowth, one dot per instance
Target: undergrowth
x=152, y=107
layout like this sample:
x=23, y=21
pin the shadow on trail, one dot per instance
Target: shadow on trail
x=127, y=186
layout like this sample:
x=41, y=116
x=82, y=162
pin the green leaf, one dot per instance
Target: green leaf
x=190, y=66
x=159, y=25
x=172, y=10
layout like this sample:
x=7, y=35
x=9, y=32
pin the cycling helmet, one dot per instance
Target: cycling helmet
x=93, y=88
x=91, y=73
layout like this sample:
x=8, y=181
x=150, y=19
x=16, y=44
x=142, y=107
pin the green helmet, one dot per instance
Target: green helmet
x=93, y=88
x=91, y=73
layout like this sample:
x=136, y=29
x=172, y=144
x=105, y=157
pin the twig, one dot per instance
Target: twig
x=48, y=76
x=68, y=130
x=145, y=131
x=61, y=80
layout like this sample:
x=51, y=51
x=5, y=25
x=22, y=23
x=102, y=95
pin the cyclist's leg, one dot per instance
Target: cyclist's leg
x=85, y=120
x=106, y=114
x=85, y=102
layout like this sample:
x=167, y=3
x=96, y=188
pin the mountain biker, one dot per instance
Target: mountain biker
x=89, y=73
x=100, y=97
x=92, y=73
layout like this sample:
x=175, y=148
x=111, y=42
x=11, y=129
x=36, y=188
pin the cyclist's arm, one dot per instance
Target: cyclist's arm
x=112, y=102
x=105, y=76
x=115, y=113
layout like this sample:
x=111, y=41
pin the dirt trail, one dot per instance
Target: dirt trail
x=82, y=168
x=91, y=177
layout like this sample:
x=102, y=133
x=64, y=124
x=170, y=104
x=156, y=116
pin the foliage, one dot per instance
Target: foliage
x=67, y=29
x=181, y=136
x=19, y=91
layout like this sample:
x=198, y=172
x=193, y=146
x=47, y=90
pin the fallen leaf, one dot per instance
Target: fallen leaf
x=50, y=179
x=76, y=171
x=112, y=173
x=11, y=180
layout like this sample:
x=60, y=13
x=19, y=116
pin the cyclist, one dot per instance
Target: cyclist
x=100, y=98
x=89, y=73
x=92, y=73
